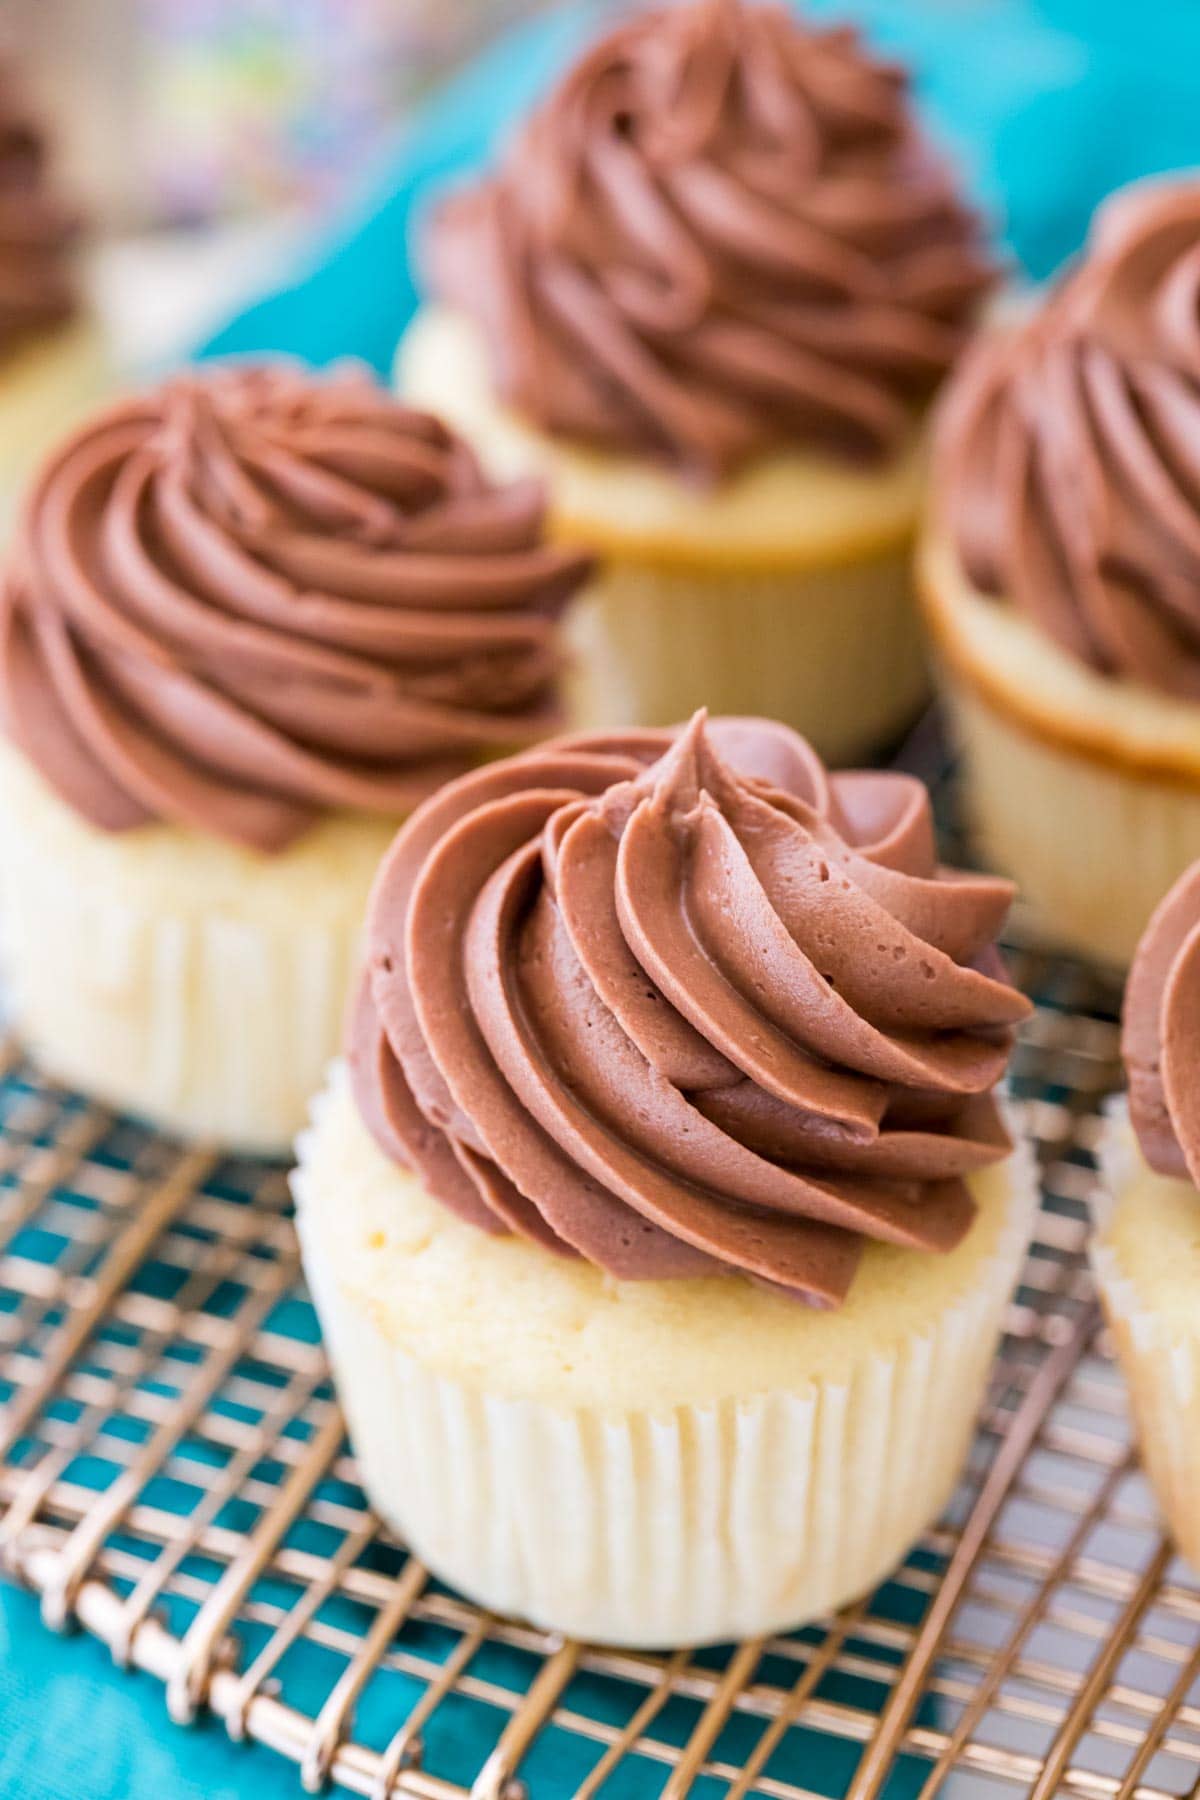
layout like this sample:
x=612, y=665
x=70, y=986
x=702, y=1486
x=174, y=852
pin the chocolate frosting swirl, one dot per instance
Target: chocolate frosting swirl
x=1161, y=1033
x=683, y=1003
x=720, y=234
x=37, y=231
x=248, y=597
x=1069, y=452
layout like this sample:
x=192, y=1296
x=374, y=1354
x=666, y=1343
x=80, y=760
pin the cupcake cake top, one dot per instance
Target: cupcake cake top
x=682, y=1003
x=37, y=231
x=1161, y=1034
x=1069, y=450
x=722, y=233
x=251, y=596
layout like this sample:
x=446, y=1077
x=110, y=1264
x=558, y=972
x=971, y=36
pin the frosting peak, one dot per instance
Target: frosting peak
x=1069, y=449
x=1161, y=1034
x=248, y=597
x=37, y=231
x=721, y=233
x=684, y=1003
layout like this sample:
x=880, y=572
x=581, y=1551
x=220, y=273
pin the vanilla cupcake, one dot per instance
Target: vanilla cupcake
x=707, y=294
x=1061, y=576
x=52, y=361
x=662, y=1223
x=249, y=620
x=1147, y=1249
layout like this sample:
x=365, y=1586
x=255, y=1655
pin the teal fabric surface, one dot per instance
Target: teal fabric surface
x=1048, y=105
x=71, y=1728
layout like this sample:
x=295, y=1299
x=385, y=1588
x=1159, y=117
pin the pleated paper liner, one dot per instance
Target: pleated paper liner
x=753, y=1503
x=181, y=978
x=837, y=652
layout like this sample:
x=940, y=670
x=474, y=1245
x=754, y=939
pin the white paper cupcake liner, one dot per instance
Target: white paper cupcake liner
x=145, y=978
x=836, y=651
x=1159, y=1359
x=690, y=1524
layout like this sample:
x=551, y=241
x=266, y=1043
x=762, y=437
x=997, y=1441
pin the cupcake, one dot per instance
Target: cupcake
x=707, y=294
x=51, y=358
x=249, y=620
x=661, y=1218
x=1061, y=577
x=1147, y=1249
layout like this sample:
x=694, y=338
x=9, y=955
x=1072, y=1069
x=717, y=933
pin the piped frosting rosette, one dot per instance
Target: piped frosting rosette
x=683, y=1003
x=1161, y=1035
x=1069, y=454
x=721, y=232
x=251, y=597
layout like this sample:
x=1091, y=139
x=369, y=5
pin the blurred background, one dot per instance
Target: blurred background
x=202, y=138
x=223, y=149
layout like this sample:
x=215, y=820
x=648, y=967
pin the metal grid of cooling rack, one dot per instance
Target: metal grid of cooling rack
x=173, y=1477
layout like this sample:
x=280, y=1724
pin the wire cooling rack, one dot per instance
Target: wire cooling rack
x=173, y=1477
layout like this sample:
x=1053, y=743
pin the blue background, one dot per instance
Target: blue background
x=1048, y=104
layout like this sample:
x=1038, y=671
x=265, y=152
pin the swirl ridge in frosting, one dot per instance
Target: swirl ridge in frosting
x=1160, y=1038
x=249, y=597
x=721, y=233
x=1068, y=463
x=37, y=229
x=683, y=1003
